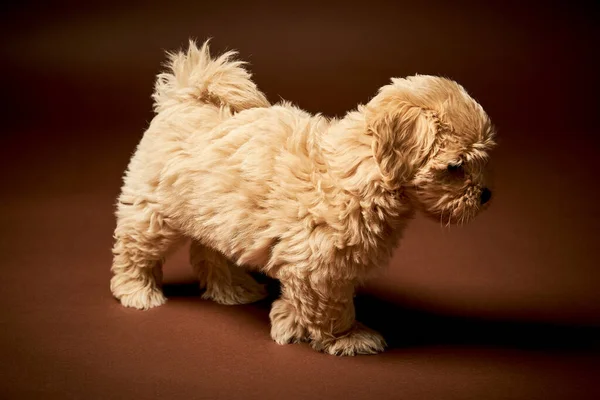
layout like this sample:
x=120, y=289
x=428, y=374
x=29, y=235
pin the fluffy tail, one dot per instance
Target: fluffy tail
x=194, y=76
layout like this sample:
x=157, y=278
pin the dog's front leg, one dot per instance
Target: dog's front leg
x=224, y=282
x=322, y=312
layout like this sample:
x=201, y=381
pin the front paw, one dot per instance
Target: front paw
x=359, y=340
x=136, y=293
x=284, y=327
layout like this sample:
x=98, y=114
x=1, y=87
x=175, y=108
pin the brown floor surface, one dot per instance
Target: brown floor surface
x=507, y=307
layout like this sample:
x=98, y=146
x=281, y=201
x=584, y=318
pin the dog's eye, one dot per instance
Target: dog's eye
x=454, y=167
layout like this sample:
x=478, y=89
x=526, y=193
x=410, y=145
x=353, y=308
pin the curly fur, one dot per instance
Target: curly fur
x=317, y=203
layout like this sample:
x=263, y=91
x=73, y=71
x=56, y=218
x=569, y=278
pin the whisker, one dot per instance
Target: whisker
x=450, y=218
x=442, y=219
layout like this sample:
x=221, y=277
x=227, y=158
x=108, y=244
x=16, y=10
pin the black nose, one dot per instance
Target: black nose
x=486, y=195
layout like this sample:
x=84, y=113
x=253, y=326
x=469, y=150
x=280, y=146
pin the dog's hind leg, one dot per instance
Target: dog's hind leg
x=225, y=283
x=142, y=240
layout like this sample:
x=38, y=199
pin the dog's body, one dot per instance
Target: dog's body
x=317, y=203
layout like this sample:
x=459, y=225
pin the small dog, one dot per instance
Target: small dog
x=317, y=203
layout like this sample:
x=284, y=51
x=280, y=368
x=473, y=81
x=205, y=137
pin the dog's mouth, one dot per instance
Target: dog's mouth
x=455, y=213
x=449, y=217
x=447, y=209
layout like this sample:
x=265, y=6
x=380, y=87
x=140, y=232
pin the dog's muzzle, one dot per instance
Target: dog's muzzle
x=486, y=195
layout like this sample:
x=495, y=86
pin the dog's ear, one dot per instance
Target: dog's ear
x=403, y=135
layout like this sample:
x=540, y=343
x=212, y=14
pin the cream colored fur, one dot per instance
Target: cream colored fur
x=316, y=203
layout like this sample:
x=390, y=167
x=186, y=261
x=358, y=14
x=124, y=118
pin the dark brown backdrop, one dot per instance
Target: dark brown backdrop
x=506, y=307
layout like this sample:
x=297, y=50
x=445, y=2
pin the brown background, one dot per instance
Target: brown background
x=506, y=307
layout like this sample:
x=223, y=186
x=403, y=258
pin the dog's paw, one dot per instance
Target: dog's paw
x=142, y=299
x=359, y=340
x=284, y=328
x=137, y=294
x=243, y=290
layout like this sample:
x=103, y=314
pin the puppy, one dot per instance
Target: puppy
x=317, y=203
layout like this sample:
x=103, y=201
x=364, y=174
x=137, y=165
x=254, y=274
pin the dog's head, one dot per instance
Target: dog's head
x=432, y=141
